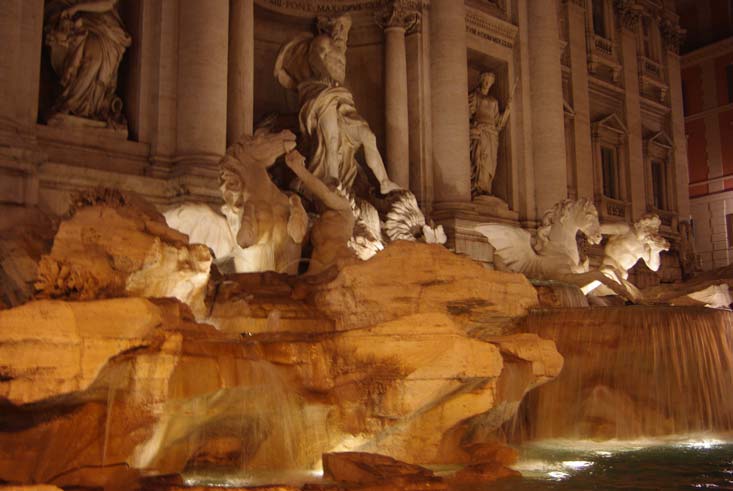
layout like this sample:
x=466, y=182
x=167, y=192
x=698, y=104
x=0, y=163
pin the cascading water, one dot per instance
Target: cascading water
x=632, y=372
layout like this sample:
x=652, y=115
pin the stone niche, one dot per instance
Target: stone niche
x=129, y=86
x=479, y=63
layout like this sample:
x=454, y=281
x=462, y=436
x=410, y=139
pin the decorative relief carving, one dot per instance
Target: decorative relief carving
x=628, y=13
x=672, y=34
x=329, y=7
x=400, y=13
x=490, y=28
x=324, y=6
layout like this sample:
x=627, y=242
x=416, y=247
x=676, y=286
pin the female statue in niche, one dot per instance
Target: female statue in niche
x=87, y=40
x=486, y=124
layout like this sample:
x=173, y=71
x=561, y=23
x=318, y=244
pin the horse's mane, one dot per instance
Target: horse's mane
x=559, y=213
x=648, y=225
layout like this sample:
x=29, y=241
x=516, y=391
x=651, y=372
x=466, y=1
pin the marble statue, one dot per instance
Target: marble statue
x=334, y=227
x=260, y=228
x=335, y=131
x=625, y=247
x=628, y=244
x=405, y=221
x=486, y=124
x=86, y=39
x=553, y=255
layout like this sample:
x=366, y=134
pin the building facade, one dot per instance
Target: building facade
x=707, y=75
x=592, y=89
x=707, y=78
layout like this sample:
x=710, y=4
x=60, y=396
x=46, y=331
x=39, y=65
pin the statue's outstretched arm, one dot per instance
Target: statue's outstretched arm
x=296, y=162
x=614, y=228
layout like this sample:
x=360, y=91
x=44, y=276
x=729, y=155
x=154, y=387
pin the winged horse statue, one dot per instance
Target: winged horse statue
x=553, y=253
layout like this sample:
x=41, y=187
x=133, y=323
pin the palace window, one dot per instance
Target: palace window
x=658, y=156
x=610, y=174
x=650, y=39
x=609, y=164
x=729, y=81
x=599, y=18
x=659, y=185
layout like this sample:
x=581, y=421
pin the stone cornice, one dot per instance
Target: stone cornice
x=706, y=52
x=490, y=28
x=579, y=3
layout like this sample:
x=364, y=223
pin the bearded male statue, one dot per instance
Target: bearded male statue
x=315, y=66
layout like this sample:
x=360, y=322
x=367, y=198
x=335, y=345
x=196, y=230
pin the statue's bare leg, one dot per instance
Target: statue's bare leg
x=329, y=125
x=374, y=159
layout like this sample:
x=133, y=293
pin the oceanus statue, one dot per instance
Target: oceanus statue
x=553, y=254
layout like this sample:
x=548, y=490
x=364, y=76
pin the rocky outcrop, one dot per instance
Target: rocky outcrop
x=358, y=470
x=115, y=244
x=408, y=278
x=139, y=384
x=25, y=235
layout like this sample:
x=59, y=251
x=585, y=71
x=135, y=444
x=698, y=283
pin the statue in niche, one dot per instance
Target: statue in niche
x=86, y=39
x=334, y=130
x=486, y=124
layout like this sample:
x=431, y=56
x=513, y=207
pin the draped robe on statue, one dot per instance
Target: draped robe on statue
x=86, y=51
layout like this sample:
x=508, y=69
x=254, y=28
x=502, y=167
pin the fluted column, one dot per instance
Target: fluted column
x=397, y=19
x=202, y=82
x=449, y=87
x=240, y=76
x=546, y=99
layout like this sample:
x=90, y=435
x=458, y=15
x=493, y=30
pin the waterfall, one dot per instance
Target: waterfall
x=632, y=372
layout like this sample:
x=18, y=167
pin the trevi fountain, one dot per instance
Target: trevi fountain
x=349, y=245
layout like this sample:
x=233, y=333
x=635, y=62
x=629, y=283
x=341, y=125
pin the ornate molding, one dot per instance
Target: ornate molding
x=400, y=13
x=628, y=13
x=579, y=3
x=490, y=28
x=672, y=34
x=325, y=7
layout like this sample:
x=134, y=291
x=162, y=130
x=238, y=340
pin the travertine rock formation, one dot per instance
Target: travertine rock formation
x=25, y=235
x=115, y=244
x=408, y=278
x=138, y=383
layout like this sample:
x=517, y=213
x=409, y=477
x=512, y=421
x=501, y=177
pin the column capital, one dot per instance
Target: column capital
x=400, y=13
x=628, y=13
x=672, y=34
